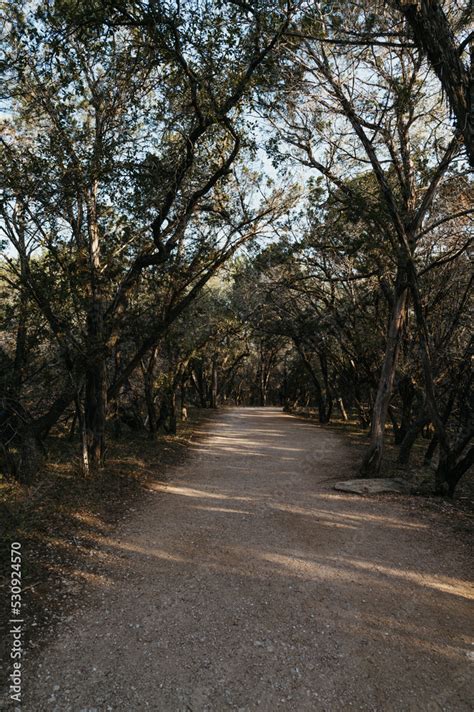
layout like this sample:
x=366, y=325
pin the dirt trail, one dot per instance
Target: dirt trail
x=247, y=583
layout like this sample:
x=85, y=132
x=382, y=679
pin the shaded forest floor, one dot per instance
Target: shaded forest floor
x=58, y=518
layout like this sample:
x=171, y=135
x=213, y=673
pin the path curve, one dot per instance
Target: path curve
x=246, y=583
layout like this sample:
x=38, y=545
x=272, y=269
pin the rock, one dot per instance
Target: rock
x=374, y=486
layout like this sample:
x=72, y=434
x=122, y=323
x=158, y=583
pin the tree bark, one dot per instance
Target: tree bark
x=372, y=461
x=324, y=408
x=199, y=383
x=452, y=474
x=431, y=404
x=19, y=363
x=409, y=439
x=342, y=408
x=434, y=36
x=148, y=378
x=213, y=389
x=96, y=375
x=407, y=392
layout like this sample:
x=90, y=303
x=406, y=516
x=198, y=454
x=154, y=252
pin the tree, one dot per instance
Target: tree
x=137, y=132
x=386, y=124
x=435, y=30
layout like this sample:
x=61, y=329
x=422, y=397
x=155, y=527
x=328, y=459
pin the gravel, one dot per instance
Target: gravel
x=245, y=582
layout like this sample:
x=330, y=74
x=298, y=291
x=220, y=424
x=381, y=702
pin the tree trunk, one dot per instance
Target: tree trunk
x=362, y=412
x=19, y=363
x=328, y=400
x=95, y=412
x=324, y=409
x=150, y=407
x=183, y=391
x=72, y=430
x=407, y=392
x=396, y=427
x=453, y=471
x=213, y=390
x=167, y=419
x=85, y=465
x=430, y=450
x=409, y=439
x=31, y=457
x=198, y=381
x=95, y=377
x=172, y=413
x=113, y=405
x=434, y=36
x=423, y=334
x=341, y=406
x=372, y=461
x=148, y=383
x=263, y=393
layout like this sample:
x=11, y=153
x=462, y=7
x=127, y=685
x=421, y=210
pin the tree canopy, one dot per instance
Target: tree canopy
x=206, y=203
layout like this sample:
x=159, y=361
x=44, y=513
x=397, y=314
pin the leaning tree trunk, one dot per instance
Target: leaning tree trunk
x=409, y=439
x=342, y=408
x=372, y=461
x=456, y=470
x=434, y=35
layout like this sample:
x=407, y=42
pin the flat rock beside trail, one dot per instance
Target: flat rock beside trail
x=374, y=486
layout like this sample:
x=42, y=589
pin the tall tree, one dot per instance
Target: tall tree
x=380, y=100
x=140, y=123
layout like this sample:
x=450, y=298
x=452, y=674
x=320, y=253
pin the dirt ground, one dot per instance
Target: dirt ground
x=245, y=582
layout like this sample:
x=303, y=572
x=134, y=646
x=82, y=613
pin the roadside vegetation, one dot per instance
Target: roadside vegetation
x=229, y=203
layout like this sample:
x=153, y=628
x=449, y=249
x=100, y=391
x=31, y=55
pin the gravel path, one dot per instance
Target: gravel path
x=245, y=582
